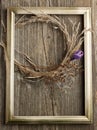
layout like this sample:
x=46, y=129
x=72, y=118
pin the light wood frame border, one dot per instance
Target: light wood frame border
x=84, y=119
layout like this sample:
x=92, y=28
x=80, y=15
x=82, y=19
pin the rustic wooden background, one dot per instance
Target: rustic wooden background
x=45, y=46
x=35, y=99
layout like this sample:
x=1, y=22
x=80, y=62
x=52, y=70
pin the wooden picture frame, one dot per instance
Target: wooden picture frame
x=84, y=119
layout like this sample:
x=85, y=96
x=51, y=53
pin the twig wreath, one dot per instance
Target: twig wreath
x=69, y=67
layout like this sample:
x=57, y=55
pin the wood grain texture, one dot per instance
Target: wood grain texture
x=94, y=24
x=49, y=104
x=45, y=46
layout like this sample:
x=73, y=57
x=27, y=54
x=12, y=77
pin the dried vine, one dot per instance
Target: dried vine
x=69, y=66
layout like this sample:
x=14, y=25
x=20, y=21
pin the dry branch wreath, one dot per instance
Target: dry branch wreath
x=69, y=66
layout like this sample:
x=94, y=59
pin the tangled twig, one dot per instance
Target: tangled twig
x=67, y=67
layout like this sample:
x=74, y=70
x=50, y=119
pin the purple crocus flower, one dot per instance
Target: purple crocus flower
x=77, y=55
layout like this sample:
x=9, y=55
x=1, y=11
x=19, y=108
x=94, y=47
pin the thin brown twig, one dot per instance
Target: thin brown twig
x=19, y=19
x=3, y=25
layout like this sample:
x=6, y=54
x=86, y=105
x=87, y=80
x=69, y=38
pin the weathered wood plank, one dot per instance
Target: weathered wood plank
x=94, y=24
x=46, y=99
x=42, y=56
